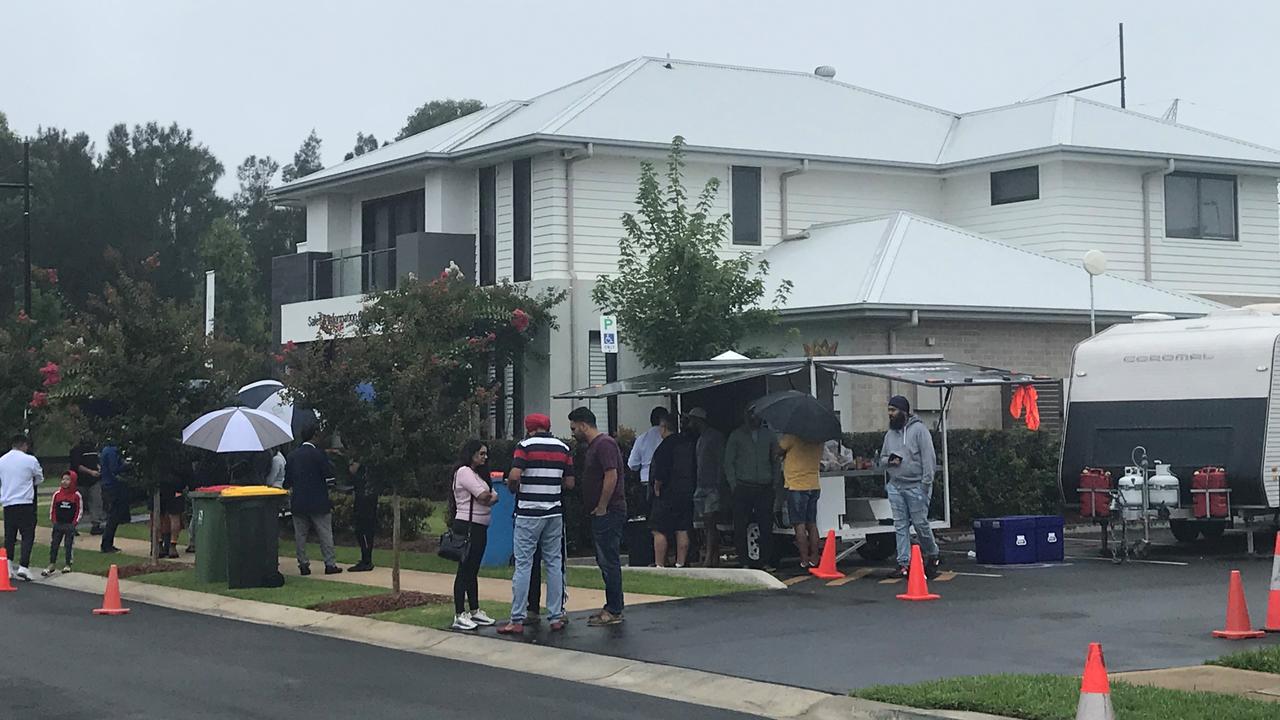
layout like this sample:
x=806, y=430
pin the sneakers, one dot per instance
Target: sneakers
x=47, y=571
x=463, y=622
x=360, y=567
x=173, y=553
x=23, y=574
x=604, y=618
x=332, y=570
x=558, y=625
x=901, y=572
x=66, y=569
x=304, y=569
x=512, y=628
x=479, y=617
x=110, y=550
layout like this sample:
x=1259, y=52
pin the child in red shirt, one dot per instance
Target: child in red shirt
x=64, y=511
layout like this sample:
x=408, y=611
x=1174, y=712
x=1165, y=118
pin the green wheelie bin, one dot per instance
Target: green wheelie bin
x=210, y=526
x=252, y=514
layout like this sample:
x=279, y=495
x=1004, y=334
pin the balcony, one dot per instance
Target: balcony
x=354, y=273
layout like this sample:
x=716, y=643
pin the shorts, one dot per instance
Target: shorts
x=706, y=502
x=671, y=514
x=171, y=503
x=802, y=506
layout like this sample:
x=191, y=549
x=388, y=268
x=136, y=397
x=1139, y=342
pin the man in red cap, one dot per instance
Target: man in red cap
x=541, y=467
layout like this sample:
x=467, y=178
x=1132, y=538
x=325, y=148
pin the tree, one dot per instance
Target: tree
x=305, y=161
x=364, y=143
x=437, y=112
x=238, y=311
x=673, y=295
x=269, y=229
x=406, y=389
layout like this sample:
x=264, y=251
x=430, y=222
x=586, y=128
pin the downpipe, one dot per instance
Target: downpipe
x=1146, y=216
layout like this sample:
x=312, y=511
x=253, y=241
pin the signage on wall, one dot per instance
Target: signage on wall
x=608, y=334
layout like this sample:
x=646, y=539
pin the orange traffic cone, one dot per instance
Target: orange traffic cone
x=1273, y=600
x=1095, y=689
x=111, y=601
x=1238, y=625
x=917, y=586
x=826, y=569
x=6, y=585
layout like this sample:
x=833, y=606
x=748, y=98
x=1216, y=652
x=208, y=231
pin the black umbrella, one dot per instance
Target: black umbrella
x=798, y=414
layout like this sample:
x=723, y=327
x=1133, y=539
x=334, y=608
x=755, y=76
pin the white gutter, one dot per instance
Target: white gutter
x=782, y=193
x=1146, y=216
x=571, y=157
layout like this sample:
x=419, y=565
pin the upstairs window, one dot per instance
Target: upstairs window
x=744, y=186
x=1199, y=206
x=522, y=230
x=1011, y=186
x=488, y=226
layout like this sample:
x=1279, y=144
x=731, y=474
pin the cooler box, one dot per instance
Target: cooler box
x=1006, y=540
x=1049, y=540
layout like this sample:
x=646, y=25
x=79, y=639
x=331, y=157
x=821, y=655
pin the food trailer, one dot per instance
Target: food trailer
x=861, y=520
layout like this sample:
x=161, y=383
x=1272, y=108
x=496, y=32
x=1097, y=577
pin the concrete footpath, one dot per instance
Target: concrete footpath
x=492, y=589
x=674, y=683
x=1209, y=678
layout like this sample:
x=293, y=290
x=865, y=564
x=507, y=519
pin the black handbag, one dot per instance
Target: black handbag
x=452, y=546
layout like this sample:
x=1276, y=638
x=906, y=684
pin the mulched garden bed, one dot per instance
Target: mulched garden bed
x=374, y=604
x=129, y=571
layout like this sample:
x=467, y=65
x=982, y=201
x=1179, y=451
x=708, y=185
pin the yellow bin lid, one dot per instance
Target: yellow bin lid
x=252, y=491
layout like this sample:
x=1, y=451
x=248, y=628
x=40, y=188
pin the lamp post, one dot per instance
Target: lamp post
x=1095, y=263
x=25, y=187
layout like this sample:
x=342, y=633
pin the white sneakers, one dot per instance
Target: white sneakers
x=23, y=574
x=472, y=620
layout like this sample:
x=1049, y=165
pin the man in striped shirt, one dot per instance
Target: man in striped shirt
x=540, y=468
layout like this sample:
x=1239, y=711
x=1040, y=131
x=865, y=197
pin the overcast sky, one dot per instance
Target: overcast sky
x=255, y=76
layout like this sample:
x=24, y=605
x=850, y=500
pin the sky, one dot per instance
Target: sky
x=254, y=77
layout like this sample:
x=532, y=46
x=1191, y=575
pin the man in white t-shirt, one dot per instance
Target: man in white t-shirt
x=647, y=444
x=20, y=473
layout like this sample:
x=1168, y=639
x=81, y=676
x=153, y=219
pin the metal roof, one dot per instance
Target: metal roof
x=939, y=373
x=685, y=379
x=647, y=101
x=907, y=261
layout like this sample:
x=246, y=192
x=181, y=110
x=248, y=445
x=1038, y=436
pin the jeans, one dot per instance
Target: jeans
x=323, y=525
x=606, y=534
x=910, y=504
x=535, y=578
x=466, y=582
x=534, y=534
x=62, y=535
x=117, y=499
x=753, y=503
x=94, y=508
x=20, y=519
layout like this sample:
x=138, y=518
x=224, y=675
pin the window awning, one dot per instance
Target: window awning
x=683, y=380
x=937, y=373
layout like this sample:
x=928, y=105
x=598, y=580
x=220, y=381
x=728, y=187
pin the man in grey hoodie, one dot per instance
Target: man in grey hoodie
x=909, y=462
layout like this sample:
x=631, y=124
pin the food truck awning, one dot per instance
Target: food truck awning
x=686, y=378
x=936, y=373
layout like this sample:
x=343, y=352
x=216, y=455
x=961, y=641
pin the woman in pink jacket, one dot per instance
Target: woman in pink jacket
x=472, y=498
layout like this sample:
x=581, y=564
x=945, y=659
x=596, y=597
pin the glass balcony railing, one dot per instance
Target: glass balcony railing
x=355, y=274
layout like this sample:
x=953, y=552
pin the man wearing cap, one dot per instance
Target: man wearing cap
x=541, y=468
x=706, y=498
x=909, y=462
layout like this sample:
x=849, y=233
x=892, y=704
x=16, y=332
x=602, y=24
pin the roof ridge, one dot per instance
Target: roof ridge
x=1009, y=106
x=499, y=112
x=1027, y=251
x=887, y=254
x=801, y=73
x=593, y=95
x=1191, y=128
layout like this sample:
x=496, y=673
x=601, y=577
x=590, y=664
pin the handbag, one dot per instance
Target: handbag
x=452, y=546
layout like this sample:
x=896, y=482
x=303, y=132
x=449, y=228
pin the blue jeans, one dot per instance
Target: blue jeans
x=606, y=533
x=910, y=504
x=532, y=534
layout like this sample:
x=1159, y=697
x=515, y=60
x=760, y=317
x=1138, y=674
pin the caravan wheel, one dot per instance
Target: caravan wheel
x=879, y=547
x=1184, y=531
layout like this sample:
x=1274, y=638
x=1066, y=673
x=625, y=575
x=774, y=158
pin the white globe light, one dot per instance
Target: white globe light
x=1095, y=262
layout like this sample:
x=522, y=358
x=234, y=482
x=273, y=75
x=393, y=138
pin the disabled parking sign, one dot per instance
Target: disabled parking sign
x=608, y=334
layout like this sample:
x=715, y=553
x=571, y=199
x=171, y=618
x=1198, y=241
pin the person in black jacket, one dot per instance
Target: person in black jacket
x=673, y=476
x=84, y=463
x=307, y=471
x=364, y=514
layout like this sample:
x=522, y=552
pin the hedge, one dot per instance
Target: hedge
x=413, y=515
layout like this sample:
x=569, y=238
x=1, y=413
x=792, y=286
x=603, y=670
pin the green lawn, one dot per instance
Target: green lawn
x=86, y=560
x=1054, y=697
x=440, y=616
x=297, y=591
x=1263, y=660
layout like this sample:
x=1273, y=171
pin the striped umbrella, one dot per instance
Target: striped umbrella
x=268, y=396
x=237, y=429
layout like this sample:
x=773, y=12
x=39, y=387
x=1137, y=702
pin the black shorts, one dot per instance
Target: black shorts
x=671, y=514
x=171, y=504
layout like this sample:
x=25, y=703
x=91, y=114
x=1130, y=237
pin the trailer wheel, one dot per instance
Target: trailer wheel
x=753, y=547
x=1213, y=530
x=1185, y=531
x=878, y=547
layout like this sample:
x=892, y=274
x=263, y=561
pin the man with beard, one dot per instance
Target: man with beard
x=909, y=462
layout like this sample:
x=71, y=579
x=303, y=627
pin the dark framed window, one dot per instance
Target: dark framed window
x=744, y=187
x=381, y=221
x=488, y=239
x=1011, y=186
x=522, y=222
x=1200, y=206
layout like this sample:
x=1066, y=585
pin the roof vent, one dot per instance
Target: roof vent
x=825, y=71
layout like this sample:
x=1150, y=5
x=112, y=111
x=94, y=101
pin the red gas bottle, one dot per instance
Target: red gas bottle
x=1095, y=500
x=1209, y=504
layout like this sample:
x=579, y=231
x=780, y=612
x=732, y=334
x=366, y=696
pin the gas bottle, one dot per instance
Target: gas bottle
x=1095, y=500
x=1209, y=504
x=1130, y=485
x=1164, y=487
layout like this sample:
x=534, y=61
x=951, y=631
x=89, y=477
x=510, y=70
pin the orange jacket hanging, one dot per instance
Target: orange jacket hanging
x=1025, y=398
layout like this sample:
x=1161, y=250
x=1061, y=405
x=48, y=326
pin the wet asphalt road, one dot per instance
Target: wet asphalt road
x=59, y=661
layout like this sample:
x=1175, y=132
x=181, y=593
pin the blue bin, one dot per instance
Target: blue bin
x=501, y=540
x=1006, y=540
x=1049, y=539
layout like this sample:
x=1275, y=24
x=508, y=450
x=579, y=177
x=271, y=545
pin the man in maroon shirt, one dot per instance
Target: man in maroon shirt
x=602, y=495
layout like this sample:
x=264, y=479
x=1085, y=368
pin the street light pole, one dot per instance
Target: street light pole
x=1093, y=322
x=1095, y=263
x=26, y=229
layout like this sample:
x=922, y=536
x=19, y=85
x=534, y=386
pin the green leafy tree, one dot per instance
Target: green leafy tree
x=364, y=143
x=420, y=356
x=437, y=112
x=270, y=230
x=674, y=295
x=238, y=310
x=305, y=161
